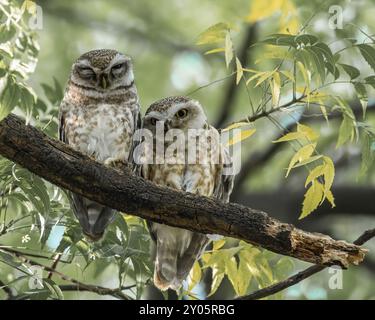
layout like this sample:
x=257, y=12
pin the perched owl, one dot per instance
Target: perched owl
x=98, y=116
x=190, y=170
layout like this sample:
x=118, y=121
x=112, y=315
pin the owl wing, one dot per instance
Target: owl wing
x=224, y=181
x=223, y=189
x=62, y=126
x=92, y=216
x=137, y=120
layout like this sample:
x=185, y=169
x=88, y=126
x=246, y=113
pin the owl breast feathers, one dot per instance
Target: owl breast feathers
x=98, y=116
x=178, y=249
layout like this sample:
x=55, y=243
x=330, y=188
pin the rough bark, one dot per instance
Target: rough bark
x=69, y=169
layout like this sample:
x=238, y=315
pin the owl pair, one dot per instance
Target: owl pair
x=99, y=115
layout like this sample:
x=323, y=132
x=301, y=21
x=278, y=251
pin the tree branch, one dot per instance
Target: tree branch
x=69, y=169
x=291, y=281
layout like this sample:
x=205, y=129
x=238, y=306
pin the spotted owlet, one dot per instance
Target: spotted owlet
x=170, y=122
x=98, y=116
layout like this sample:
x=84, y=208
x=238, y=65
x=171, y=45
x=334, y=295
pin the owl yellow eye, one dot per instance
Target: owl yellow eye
x=153, y=121
x=182, y=113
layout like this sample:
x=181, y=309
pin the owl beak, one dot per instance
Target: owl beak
x=104, y=82
x=167, y=125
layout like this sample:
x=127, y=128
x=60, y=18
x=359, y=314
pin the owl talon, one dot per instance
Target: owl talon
x=116, y=163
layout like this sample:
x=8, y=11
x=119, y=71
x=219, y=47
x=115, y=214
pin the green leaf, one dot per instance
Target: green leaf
x=346, y=131
x=9, y=98
x=352, y=72
x=54, y=289
x=317, y=61
x=368, y=54
x=239, y=71
x=367, y=154
x=228, y=49
x=7, y=32
x=28, y=100
x=306, y=39
x=281, y=40
x=328, y=55
x=370, y=81
x=362, y=96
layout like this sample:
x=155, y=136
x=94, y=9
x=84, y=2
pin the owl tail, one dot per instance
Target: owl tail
x=165, y=267
x=172, y=270
x=93, y=217
x=193, y=253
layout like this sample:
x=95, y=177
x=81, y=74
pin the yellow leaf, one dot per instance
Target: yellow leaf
x=307, y=161
x=316, y=172
x=263, y=9
x=29, y=6
x=195, y=275
x=244, y=134
x=217, y=278
x=264, y=77
x=218, y=244
x=206, y=257
x=244, y=275
x=276, y=84
x=305, y=74
x=228, y=49
x=290, y=136
x=249, y=70
x=308, y=132
x=239, y=71
x=288, y=74
x=231, y=272
x=289, y=17
x=330, y=198
x=253, y=77
x=235, y=126
x=215, y=50
x=274, y=53
x=329, y=174
x=302, y=154
x=323, y=109
x=313, y=197
x=213, y=34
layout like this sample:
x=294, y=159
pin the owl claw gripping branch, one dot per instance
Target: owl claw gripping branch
x=98, y=116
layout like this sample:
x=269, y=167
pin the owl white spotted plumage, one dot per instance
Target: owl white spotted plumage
x=98, y=116
x=177, y=249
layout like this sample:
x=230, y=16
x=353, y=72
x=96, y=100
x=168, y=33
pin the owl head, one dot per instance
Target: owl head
x=176, y=113
x=102, y=70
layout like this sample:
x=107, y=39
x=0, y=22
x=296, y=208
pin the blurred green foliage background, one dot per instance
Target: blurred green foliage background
x=161, y=38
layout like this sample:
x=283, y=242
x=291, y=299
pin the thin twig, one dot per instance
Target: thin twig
x=7, y=290
x=302, y=275
x=82, y=286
